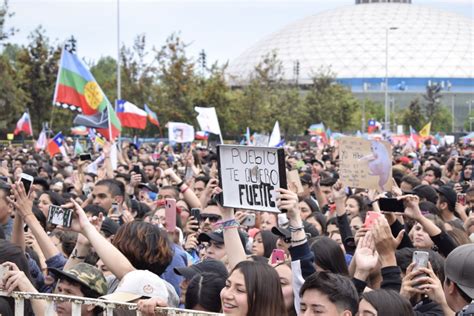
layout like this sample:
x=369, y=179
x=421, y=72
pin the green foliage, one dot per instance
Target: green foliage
x=332, y=104
x=38, y=68
x=413, y=116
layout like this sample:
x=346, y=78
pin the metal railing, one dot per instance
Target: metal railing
x=77, y=302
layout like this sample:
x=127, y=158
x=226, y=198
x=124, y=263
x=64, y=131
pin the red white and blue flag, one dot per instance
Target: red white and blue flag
x=201, y=135
x=131, y=115
x=24, y=125
x=56, y=145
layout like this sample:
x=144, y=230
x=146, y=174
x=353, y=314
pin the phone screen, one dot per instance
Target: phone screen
x=196, y=213
x=136, y=169
x=85, y=157
x=391, y=205
x=27, y=182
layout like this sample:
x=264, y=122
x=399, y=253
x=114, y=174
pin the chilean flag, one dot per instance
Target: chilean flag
x=131, y=115
x=201, y=135
x=55, y=145
x=24, y=125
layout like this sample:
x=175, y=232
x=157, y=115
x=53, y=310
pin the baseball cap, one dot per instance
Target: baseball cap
x=218, y=236
x=143, y=283
x=84, y=274
x=427, y=192
x=150, y=186
x=208, y=265
x=449, y=194
x=459, y=268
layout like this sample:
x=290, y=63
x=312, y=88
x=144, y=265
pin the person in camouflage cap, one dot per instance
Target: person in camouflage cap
x=82, y=280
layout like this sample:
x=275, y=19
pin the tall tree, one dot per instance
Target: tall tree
x=38, y=67
x=432, y=100
x=331, y=103
x=413, y=115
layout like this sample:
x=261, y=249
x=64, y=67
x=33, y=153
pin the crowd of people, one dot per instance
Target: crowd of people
x=322, y=255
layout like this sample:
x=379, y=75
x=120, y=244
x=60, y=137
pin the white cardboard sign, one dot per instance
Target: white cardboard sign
x=250, y=175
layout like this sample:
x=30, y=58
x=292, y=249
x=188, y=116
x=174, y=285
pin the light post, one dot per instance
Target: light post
x=387, y=108
x=470, y=118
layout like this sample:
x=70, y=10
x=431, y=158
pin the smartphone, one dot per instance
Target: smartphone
x=136, y=169
x=115, y=208
x=249, y=220
x=391, y=205
x=370, y=218
x=294, y=178
x=420, y=258
x=59, y=216
x=196, y=213
x=85, y=157
x=170, y=213
x=278, y=255
x=461, y=198
x=27, y=181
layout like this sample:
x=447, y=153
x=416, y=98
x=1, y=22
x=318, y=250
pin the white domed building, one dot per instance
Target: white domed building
x=363, y=44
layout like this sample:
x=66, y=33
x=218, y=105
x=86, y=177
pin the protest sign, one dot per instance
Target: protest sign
x=249, y=176
x=365, y=163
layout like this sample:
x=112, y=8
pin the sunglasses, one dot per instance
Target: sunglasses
x=213, y=218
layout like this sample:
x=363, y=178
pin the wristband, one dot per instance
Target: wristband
x=185, y=189
x=75, y=256
x=297, y=241
x=228, y=223
x=295, y=229
x=179, y=185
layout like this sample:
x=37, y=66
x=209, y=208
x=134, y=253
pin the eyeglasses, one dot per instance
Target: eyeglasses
x=212, y=217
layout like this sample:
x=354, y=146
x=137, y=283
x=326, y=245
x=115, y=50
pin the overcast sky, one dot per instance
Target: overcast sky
x=224, y=29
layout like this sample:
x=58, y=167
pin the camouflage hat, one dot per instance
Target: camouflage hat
x=85, y=274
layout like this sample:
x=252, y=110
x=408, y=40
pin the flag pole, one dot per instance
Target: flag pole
x=56, y=88
x=108, y=118
x=119, y=96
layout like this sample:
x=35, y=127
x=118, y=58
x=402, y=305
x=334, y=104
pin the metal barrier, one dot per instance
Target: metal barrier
x=107, y=306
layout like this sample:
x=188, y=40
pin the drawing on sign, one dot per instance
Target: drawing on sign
x=365, y=164
x=380, y=163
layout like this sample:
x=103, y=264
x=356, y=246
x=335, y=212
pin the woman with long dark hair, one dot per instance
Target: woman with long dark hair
x=253, y=288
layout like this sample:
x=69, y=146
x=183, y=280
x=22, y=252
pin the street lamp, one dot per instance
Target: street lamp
x=387, y=108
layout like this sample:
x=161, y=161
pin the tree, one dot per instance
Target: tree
x=413, y=116
x=177, y=81
x=432, y=102
x=4, y=14
x=331, y=103
x=38, y=68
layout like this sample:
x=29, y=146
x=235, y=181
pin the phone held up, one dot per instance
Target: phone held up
x=59, y=216
x=420, y=258
x=391, y=205
x=27, y=181
x=371, y=218
x=170, y=214
x=278, y=255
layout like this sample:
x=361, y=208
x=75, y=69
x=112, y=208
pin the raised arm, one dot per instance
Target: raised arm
x=23, y=206
x=188, y=194
x=233, y=246
x=111, y=256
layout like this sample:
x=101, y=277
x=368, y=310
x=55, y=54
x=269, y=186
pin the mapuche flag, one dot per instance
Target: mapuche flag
x=76, y=86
